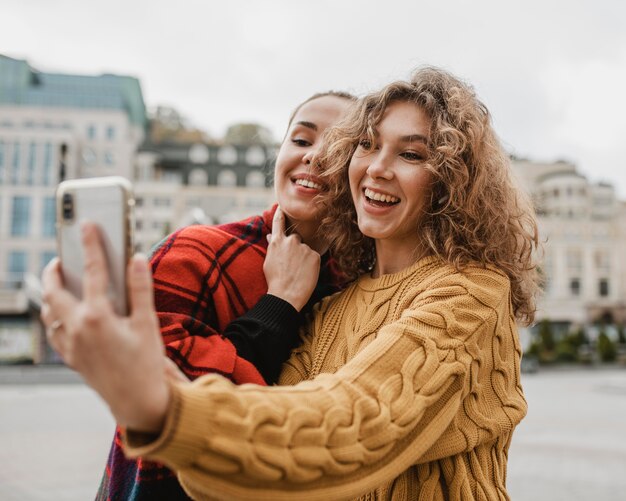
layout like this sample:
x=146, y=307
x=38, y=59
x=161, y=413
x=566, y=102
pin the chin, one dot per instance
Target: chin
x=300, y=214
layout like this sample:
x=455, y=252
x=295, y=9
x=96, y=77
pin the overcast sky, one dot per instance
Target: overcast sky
x=552, y=72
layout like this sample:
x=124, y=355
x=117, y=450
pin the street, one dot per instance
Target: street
x=571, y=446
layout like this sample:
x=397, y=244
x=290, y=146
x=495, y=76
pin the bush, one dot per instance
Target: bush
x=606, y=348
x=566, y=350
x=621, y=335
x=546, y=335
x=578, y=338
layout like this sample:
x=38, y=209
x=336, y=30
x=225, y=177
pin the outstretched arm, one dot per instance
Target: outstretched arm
x=435, y=383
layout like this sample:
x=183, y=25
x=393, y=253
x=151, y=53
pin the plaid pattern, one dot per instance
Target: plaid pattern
x=204, y=278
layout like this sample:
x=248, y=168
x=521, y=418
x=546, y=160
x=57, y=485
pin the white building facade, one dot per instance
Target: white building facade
x=583, y=228
x=52, y=127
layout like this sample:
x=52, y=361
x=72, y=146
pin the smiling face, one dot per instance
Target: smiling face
x=388, y=179
x=296, y=178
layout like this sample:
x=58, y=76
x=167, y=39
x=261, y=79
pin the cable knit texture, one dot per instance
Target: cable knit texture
x=407, y=388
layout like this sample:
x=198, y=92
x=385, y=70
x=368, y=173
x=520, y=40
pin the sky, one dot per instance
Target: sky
x=552, y=72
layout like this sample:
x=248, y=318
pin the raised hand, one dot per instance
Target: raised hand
x=291, y=267
x=122, y=358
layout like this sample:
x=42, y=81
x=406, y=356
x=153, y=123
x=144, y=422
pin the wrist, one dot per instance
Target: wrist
x=292, y=299
x=146, y=413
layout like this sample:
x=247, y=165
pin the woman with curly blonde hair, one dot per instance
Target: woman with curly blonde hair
x=407, y=384
x=474, y=214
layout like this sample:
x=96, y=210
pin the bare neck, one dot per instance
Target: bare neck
x=308, y=233
x=395, y=256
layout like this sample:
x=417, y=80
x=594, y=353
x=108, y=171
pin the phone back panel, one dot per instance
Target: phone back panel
x=106, y=202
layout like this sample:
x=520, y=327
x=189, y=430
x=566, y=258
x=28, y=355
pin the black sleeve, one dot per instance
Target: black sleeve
x=266, y=334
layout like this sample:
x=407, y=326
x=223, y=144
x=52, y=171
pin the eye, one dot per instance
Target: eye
x=366, y=144
x=298, y=141
x=412, y=156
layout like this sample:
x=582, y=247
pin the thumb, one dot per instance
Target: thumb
x=140, y=287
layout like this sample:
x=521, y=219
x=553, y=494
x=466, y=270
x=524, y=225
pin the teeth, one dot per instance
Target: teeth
x=380, y=197
x=308, y=184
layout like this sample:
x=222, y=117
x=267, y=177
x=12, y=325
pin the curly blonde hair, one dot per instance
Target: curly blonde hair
x=476, y=214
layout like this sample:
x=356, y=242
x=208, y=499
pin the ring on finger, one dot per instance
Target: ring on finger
x=57, y=324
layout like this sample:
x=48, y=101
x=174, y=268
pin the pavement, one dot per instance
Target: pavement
x=55, y=434
x=38, y=374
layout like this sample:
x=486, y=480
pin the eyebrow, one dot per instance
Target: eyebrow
x=414, y=137
x=309, y=125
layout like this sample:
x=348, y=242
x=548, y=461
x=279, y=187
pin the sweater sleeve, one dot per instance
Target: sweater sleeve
x=340, y=434
x=265, y=335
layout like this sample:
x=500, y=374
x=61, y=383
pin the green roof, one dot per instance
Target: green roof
x=21, y=85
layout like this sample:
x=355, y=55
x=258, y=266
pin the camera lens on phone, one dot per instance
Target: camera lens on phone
x=68, y=207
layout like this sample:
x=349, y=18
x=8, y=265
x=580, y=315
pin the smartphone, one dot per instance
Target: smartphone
x=108, y=202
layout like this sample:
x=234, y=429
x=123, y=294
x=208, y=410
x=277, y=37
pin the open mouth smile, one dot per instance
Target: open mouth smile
x=380, y=199
x=307, y=183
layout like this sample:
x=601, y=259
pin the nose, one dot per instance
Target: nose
x=309, y=157
x=380, y=167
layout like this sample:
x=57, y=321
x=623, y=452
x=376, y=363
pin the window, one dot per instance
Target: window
x=255, y=155
x=49, y=217
x=47, y=164
x=20, y=219
x=15, y=171
x=109, y=158
x=255, y=179
x=1, y=162
x=192, y=202
x=46, y=257
x=603, y=260
x=89, y=156
x=227, y=177
x=171, y=176
x=603, y=287
x=227, y=155
x=574, y=287
x=161, y=202
x=91, y=131
x=110, y=133
x=574, y=259
x=198, y=177
x=18, y=264
x=32, y=163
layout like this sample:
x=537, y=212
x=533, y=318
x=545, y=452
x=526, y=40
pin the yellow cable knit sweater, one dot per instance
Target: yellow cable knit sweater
x=407, y=388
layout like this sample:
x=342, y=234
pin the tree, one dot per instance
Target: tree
x=621, y=335
x=168, y=125
x=248, y=133
x=546, y=335
x=606, y=348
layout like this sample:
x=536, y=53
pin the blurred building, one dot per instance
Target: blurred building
x=181, y=183
x=57, y=126
x=52, y=127
x=583, y=227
